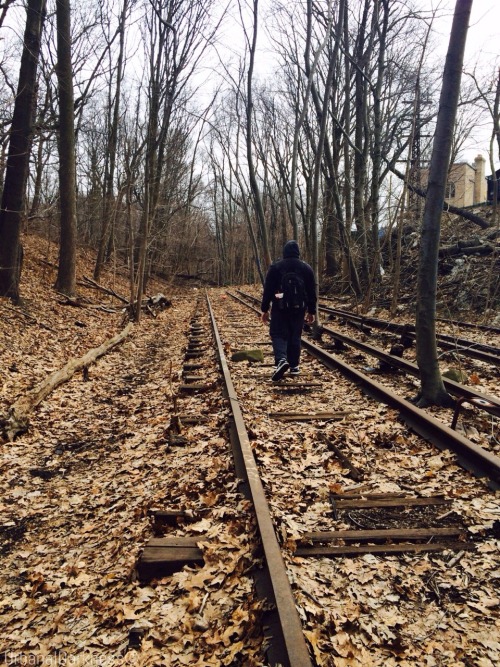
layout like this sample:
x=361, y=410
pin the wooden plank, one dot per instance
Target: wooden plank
x=354, y=472
x=303, y=416
x=181, y=542
x=172, y=517
x=368, y=496
x=192, y=419
x=381, y=534
x=176, y=440
x=389, y=502
x=162, y=557
x=292, y=384
x=191, y=367
x=194, y=355
x=254, y=343
x=195, y=386
x=305, y=552
x=192, y=378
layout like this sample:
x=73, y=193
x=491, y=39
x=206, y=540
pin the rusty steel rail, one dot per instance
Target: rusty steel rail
x=457, y=323
x=469, y=325
x=455, y=388
x=468, y=348
x=471, y=456
x=297, y=654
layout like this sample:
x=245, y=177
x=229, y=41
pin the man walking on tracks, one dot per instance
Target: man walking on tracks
x=290, y=291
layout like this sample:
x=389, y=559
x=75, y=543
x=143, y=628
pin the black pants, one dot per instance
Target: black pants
x=286, y=330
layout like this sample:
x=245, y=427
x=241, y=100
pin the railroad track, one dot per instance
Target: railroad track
x=486, y=403
x=462, y=346
x=312, y=469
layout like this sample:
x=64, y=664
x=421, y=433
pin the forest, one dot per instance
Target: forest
x=190, y=139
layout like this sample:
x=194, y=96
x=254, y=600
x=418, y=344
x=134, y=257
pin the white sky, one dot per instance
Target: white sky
x=482, y=53
x=483, y=37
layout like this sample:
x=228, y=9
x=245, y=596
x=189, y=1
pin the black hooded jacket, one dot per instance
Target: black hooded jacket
x=291, y=262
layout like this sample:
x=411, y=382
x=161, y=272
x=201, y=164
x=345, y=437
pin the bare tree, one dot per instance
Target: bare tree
x=19, y=151
x=114, y=114
x=66, y=274
x=259, y=211
x=432, y=390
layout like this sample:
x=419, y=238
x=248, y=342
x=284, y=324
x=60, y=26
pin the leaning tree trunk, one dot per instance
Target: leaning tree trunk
x=16, y=174
x=66, y=274
x=432, y=390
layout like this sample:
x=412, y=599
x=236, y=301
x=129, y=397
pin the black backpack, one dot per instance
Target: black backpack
x=294, y=292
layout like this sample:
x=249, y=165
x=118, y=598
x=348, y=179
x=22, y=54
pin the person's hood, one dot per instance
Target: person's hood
x=291, y=249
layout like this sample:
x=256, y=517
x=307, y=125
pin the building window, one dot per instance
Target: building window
x=450, y=190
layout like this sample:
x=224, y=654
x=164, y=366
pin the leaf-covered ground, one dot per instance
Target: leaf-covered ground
x=413, y=609
x=78, y=489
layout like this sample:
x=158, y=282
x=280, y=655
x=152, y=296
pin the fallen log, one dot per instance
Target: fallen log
x=88, y=282
x=17, y=419
x=459, y=249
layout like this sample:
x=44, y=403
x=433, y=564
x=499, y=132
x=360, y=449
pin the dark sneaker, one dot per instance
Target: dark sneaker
x=281, y=369
x=295, y=370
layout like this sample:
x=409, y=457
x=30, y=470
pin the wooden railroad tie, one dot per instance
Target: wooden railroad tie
x=194, y=355
x=307, y=416
x=162, y=556
x=189, y=420
x=194, y=386
x=385, y=500
x=293, y=385
x=172, y=518
x=385, y=540
x=192, y=378
x=191, y=367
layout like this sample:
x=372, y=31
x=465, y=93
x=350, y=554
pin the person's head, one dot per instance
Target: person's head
x=291, y=249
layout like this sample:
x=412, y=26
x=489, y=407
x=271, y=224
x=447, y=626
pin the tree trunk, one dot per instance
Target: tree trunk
x=360, y=140
x=259, y=210
x=19, y=152
x=432, y=390
x=112, y=147
x=66, y=275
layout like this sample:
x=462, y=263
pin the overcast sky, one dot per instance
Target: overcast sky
x=482, y=53
x=484, y=29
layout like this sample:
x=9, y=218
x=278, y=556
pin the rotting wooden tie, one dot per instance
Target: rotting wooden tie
x=372, y=535
x=191, y=367
x=194, y=355
x=354, y=472
x=192, y=378
x=291, y=385
x=390, y=548
x=177, y=440
x=162, y=556
x=305, y=416
x=384, y=540
x=172, y=517
x=369, y=502
x=194, y=386
x=192, y=419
